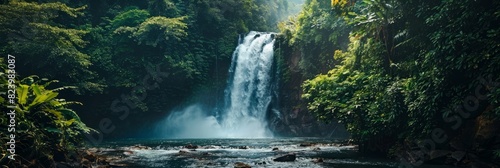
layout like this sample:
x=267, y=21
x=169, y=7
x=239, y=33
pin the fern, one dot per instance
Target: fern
x=46, y=122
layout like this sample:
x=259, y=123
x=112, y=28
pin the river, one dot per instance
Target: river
x=171, y=153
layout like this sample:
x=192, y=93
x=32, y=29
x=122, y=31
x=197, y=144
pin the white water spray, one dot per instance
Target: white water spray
x=247, y=97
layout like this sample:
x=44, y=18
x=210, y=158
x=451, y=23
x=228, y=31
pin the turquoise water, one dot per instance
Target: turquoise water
x=226, y=152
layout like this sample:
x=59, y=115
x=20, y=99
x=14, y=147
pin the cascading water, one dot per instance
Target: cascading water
x=248, y=95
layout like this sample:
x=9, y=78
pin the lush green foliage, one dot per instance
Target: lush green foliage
x=47, y=129
x=408, y=66
x=311, y=31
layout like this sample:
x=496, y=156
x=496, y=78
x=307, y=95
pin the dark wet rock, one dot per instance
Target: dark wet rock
x=261, y=163
x=318, y=160
x=191, y=146
x=94, y=157
x=209, y=147
x=90, y=156
x=117, y=164
x=306, y=144
x=286, y=158
x=85, y=161
x=243, y=147
x=317, y=149
x=256, y=36
x=458, y=155
x=275, y=149
x=102, y=161
x=183, y=152
x=241, y=165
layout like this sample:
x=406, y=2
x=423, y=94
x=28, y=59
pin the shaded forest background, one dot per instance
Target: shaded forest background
x=401, y=76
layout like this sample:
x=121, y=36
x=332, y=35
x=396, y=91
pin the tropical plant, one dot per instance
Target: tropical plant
x=47, y=130
x=409, y=65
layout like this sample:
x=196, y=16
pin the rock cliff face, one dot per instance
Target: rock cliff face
x=295, y=118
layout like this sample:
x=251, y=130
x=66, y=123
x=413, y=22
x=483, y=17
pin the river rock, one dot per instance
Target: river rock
x=318, y=160
x=243, y=147
x=306, y=144
x=317, y=149
x=191, y=146
x=241, y=165
x=286, y=158
x=275, y=149
x=183, y=152
x=85, y=162
x=118, y=165
x=90, y=156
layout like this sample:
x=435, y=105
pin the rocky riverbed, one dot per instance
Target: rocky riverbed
x=240, y=153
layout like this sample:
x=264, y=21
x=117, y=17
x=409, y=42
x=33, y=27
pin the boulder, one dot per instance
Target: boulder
x=243, y=147
x=286, y=158
x=306, y=144
x=318, y=160
x=183, y=152
x=275, y=149
x=191, y=146
x=90, y=156
x=85, y=162
x=241, y=165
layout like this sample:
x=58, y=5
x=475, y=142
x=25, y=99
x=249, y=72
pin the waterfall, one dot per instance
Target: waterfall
x=247, y=97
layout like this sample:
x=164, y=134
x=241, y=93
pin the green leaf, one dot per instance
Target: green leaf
x=56, y=113
x=70, y=114
x=44, y=97
x=36, y=89
x=69, y=122
x=22, y=93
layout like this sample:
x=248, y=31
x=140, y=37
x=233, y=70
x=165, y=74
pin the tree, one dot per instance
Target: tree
x=42, y=37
